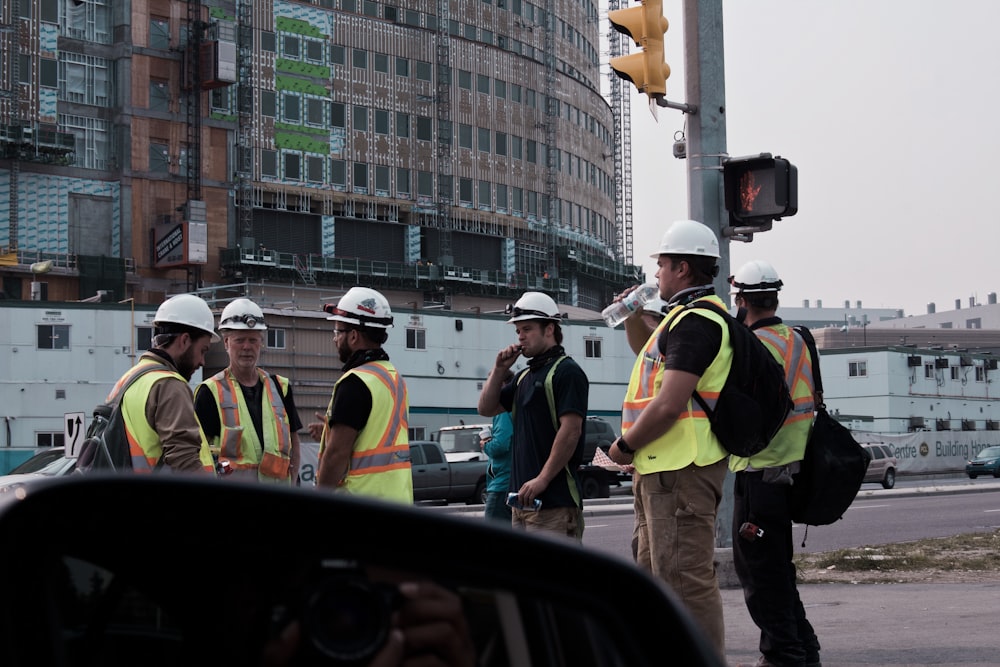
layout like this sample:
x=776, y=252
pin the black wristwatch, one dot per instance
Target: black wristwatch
x=623, y=446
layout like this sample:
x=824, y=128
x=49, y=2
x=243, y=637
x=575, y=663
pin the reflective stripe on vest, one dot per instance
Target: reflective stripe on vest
x=241, y=446
x=380, y=460
x=789, y=444
x=145, y=446
x=690, y=439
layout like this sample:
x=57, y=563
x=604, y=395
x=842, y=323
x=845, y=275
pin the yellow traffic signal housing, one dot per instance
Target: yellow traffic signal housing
x=645, y=24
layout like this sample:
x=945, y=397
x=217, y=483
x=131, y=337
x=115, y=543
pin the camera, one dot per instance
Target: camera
x=345, y=617
x=513, y=501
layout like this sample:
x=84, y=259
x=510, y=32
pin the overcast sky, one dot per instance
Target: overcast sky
x=889, y=111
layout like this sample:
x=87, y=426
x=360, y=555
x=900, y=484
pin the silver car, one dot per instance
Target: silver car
x=883, y=464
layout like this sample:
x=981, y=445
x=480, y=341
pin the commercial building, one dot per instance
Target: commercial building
x=440, y=146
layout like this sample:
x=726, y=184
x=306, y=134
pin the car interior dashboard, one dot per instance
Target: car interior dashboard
x=171, y=570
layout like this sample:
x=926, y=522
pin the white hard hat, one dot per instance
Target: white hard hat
x=534, y=306
x=189, y=310
x=755, y=276
x=486, y=433
x=363, y=307
x=687, y=237
x=242, y=314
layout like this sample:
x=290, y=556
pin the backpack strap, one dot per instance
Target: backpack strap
x=704, y=305
x=810, y=342
x=116, y=396
x=549, y=391
x=551, y=400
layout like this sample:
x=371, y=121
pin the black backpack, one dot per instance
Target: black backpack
x=105, y=449
x=754, y=401
x=834, y=465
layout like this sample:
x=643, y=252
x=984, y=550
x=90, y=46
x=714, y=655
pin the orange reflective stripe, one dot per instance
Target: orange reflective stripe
x=388, y=454
x=275, y=397
x=798, y=373
x=397, y=388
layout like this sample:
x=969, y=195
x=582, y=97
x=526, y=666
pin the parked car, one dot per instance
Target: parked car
x=436, y=477
x=986, y=462
x=597, y=433
x=79, y=587
x=49, y=462
x=883, y=464
x=456, y=441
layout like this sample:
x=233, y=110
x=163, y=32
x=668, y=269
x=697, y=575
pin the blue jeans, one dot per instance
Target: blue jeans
x=496, y=506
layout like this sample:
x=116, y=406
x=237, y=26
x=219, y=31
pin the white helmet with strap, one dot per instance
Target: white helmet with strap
x=362, y=307
x=534, y=306
x=755, y=276
x=242, y=314
x=188, y=310
x=687, y=237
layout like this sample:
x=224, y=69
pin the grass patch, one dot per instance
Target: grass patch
x=971, y=552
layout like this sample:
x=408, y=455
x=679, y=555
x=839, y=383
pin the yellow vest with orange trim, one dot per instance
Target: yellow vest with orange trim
x=789, y=444
x=690, y=439
x=238, y=442
x=380, y=461
x=144, y=444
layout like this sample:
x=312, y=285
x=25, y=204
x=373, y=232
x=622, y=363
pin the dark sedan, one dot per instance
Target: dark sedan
x=986, y=462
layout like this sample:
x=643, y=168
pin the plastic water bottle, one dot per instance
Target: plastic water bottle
x=616, y=313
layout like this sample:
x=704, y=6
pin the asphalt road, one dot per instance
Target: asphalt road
x=912, y=625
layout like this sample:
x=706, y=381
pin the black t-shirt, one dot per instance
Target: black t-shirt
x=352, y=403
x=691, y=345
x=534, y=433
x=208, y=410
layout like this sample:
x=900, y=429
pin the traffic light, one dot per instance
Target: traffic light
x=645, y=25
x=760, y=189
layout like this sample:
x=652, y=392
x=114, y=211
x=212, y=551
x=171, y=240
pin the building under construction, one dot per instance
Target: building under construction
x=441, y=146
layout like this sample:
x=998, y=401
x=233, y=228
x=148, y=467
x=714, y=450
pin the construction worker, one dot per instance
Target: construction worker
x=158, y=409
x=364, y=445
x=762, y=523
x=548, y=403
x=242, y=396
x=680, y=463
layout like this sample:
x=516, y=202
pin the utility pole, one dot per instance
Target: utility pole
x=704, y=75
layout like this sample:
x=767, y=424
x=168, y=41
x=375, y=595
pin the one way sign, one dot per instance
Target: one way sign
x=76, y=429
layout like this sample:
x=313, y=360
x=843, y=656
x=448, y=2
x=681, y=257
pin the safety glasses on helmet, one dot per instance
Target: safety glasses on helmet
x=247, y=319
x=518, y=312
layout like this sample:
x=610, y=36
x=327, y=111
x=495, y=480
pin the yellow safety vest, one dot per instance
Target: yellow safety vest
x=239, y=444
x=380, y=461
x=790, y=442
x=690, y=439
x=144, y=442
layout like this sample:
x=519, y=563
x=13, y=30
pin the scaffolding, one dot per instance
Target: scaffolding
x=622, y=117
x=442, y=101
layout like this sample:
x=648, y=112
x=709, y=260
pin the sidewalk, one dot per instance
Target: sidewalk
x=912, y=625
x=888, y=624
x=885, y=624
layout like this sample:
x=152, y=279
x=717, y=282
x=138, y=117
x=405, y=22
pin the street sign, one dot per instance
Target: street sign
x=75, y=424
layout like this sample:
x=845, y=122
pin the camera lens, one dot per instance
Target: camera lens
x=347, y=618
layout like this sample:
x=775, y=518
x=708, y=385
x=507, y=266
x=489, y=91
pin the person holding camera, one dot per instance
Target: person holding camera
x=762, y=524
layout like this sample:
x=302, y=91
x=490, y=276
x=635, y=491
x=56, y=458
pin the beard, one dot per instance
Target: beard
x=186, y=364
x=344, y=350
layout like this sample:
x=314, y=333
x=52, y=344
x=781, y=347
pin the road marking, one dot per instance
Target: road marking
x=867, y=507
